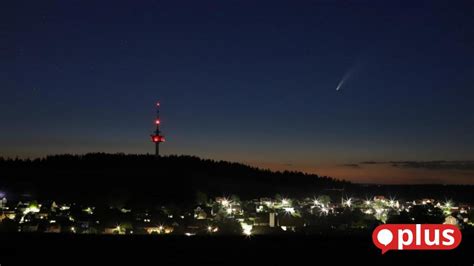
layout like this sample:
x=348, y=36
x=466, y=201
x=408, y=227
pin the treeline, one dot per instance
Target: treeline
x=144, y=178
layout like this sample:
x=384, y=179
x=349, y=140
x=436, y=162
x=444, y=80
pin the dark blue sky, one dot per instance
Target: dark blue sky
x=251, y=81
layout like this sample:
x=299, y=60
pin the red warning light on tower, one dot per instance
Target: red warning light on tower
x=158, y=139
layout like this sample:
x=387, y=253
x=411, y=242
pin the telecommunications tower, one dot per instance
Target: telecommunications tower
x=156, y=137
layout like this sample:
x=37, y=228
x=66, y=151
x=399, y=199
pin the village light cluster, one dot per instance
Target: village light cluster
x=229, y=215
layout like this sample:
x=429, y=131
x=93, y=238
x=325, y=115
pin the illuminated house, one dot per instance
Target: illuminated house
x=7, y=215
x=200, y=213
x=3, y=203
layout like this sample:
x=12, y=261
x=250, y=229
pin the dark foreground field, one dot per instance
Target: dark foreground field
x=340, y=249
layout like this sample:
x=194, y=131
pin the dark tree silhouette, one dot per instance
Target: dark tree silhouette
x=121, y=179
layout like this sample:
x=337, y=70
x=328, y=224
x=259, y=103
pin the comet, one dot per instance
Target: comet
x=346, y=76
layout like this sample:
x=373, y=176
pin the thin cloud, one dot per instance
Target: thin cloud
x=436, y=165
x=430, y=165
x=351, y=165
x=371, y=162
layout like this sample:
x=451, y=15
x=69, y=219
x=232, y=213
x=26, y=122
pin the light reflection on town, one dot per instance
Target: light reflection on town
x=230, y=216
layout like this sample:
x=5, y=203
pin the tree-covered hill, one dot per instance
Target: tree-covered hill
x=138, y=178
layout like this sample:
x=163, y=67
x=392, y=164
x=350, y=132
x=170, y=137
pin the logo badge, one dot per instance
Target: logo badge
x=416, y=237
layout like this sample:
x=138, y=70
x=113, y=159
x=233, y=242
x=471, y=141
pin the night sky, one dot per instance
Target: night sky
x=246, y=81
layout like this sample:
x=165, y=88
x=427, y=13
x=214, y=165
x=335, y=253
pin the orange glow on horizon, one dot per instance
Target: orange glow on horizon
x=376, y=174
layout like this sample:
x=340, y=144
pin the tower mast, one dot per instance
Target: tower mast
x=157, y=137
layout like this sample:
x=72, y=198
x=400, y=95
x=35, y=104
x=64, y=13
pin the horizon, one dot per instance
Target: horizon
x=282, y=168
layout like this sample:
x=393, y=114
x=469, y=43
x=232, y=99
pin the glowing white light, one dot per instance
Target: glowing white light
x=324, y=210
x=448, y=204
x=31, y=209
x=347, y=202
x=246, y=229
x=88, y=210
x=225, y=202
